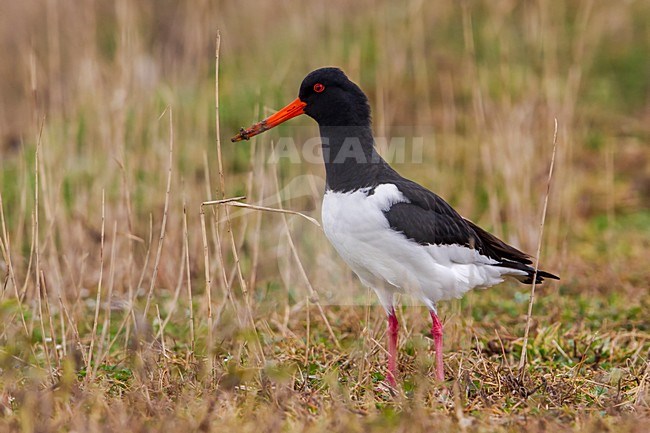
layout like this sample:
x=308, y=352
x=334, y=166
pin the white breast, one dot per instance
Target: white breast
x=388, y=262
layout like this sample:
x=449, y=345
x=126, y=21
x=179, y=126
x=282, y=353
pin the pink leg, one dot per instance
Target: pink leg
x=436, y=333
x=393, y=328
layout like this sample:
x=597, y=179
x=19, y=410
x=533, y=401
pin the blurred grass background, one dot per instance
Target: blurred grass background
x=92, y=84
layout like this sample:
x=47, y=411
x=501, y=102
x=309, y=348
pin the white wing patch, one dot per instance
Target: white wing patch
x=389, y=262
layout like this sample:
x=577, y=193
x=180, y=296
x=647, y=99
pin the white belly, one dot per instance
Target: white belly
x=388, y=262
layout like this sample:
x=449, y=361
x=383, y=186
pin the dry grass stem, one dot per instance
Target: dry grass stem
x=89, y=359
x=529, y=314
x=163, y=226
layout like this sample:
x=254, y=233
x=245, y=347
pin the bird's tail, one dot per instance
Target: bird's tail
x=527, y=278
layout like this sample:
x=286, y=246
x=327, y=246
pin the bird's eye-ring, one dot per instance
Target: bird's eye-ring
x=318, y=88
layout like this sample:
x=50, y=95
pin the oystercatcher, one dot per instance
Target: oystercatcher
x=396, y=235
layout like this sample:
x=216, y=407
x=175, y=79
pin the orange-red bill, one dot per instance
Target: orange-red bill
x=295, y=108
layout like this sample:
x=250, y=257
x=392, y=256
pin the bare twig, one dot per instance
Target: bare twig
x=48, y=310
x=163, y=226
x=177, y=293
x=208, y=289
x=529, y=315
x=270, y=209
x=225, y=200
x=98, y=299
x=256, y=236
x=235, y=201
x=36, y=238
x=222, y=179
x=188, y=276
x=134, y=293
x=235, y=253
x=105, y=337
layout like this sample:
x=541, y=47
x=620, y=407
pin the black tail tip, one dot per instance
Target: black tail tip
x=540, y=277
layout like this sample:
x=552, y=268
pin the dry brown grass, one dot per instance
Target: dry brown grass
x=106, y=321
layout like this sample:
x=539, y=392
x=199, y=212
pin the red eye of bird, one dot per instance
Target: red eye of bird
x=318, y=87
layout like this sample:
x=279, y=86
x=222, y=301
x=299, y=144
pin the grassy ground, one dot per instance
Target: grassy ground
x=112, y=316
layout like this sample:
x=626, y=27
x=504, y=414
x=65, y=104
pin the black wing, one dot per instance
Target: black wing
x=430, y=220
